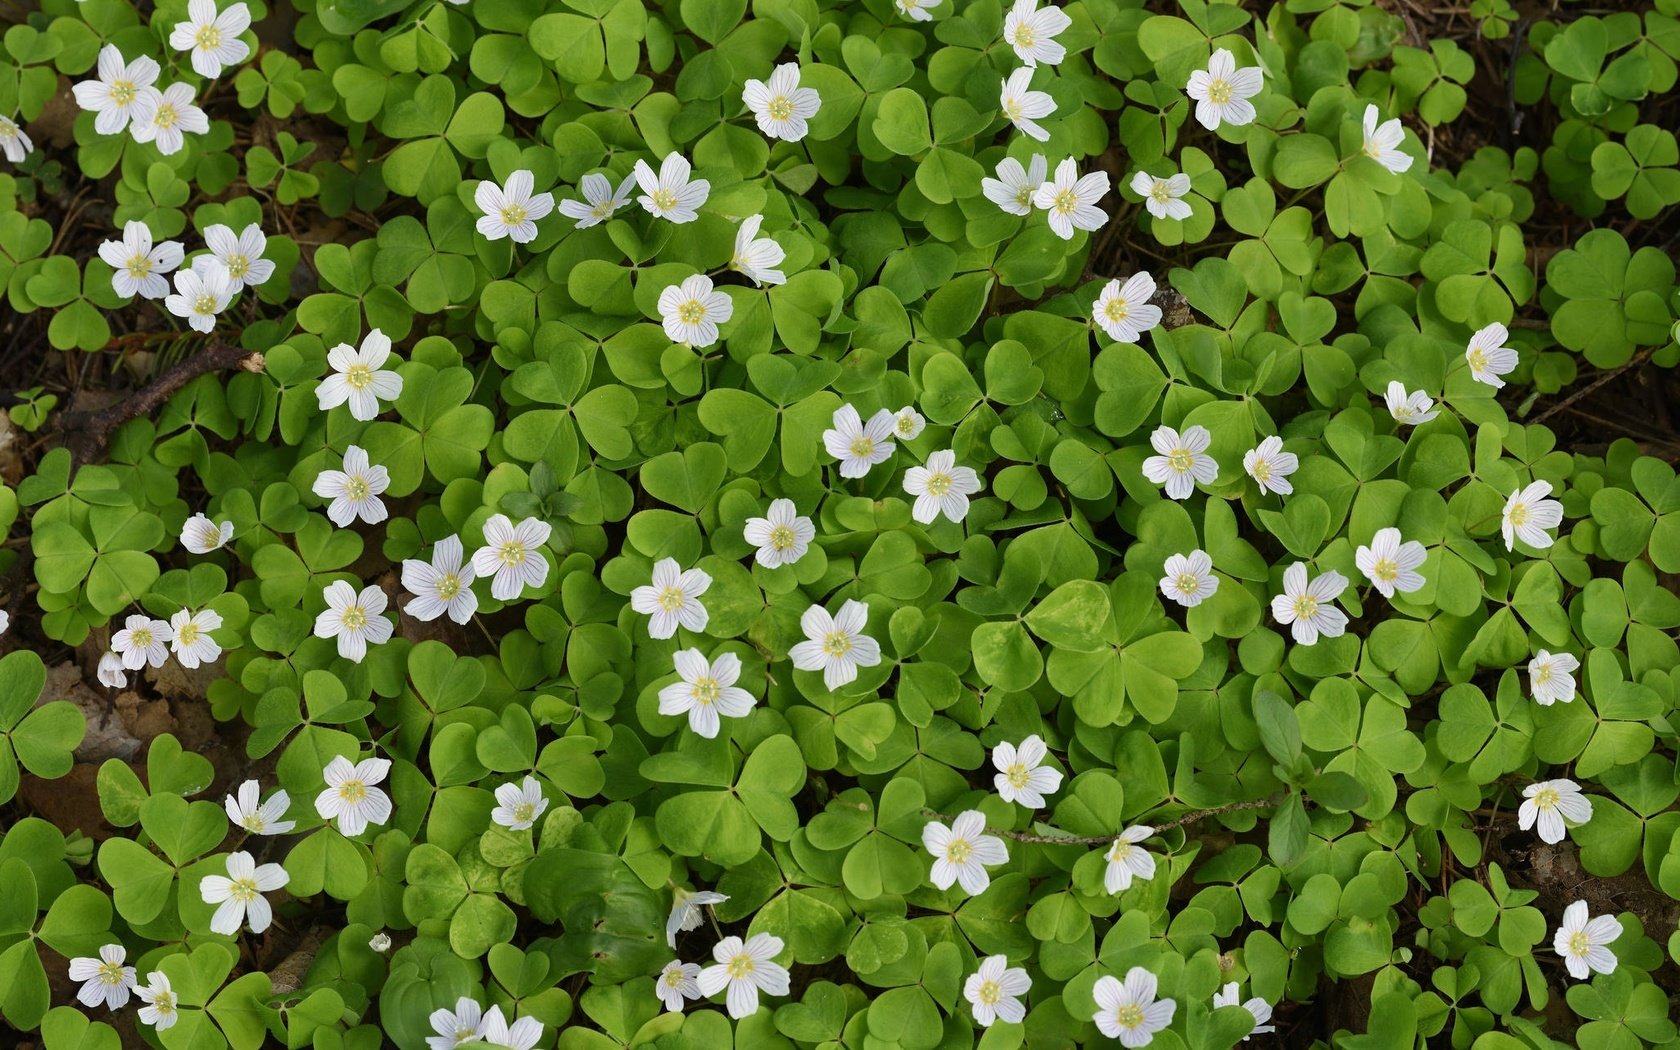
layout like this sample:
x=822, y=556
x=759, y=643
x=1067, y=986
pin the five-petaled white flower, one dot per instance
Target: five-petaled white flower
x=354, y=491
x=1305, y=606
x=1550, y=803
x=350, y=796
x=1409, y=409
x=212, y=37
x=1257, y=1008
x=512, y=555
x=189, y=636
x=1181, y=460
x=1127, y=860
x=457, y=1027
x=599, y=202
x=782, y=536
x=105, y=979
x=856, y=444
x=122, y=92
x=1129, y=1011
x=1022, y=777
x=523, y=1034
x=172, y=115
x=916, y=10
x=244, y=811
x=1270, y=466
x=1551, y=677
x=13, y=142
x=745, y=969
x=1023, y=106
x=200, y=535
x=1032, y=32
x=1584, y=942
x=1188, y=579
x=756, y=256
x=678, y=981
x=1488, y=356
x=1124, y=311
x=1528, y=514
x=672, y=599
x=138, y=267
x=1382, y=141
x=1163, y=197
x=354, y=619
x=836, y=645
x=1071, y=200
x=1222, y=91
x=691, y=311
x=142, y=641
x=782, y=107
x=706, y=691
x=671, y=194
x=1391, y=565
x=161, y=1009
x=994, y=991
x=442, y=585
x=110, y=671
x=200, y=294
x=239, y=894
x=908, y=423
x=512, y=210
x=1014, y=186
x=962, y=851
x=519, y=805
x=241, y=254
x=685, y=911
x=941, y=487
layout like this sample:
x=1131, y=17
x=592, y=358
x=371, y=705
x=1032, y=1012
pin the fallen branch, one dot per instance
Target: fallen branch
x=1103, y=840
x=1637, y=360
x=87, y=433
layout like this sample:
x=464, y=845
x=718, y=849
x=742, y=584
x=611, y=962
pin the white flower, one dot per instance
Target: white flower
x=1270, y=466
x=519, y=805
x=856, y=444
x=457, y=1027
x=359, y=377
x=189, y=636
x=1391, y=565
x=756, y=256
x=137, y=266
x=200, y=535
x=706, y=691
x=1128, y=1012
x=354, y=491
x=1257, y=1008
x=121, y=93
x=354, y=619
x=240, y=894
x=199, y=296
x=1022, y=777
x=745, y=969
x=523, y=1034
x=1221, y=91
x=511, y=210
x=1584, y=942
x=671, y=194
x=1014, y=186
x=351, y=797
x=13, y=142
x=441, y=585
x=1161, y=196
x=1382, y=143
x=1305, y=606
x=962, y=851
x=105, y=979
x=512, y=555
x=1409, y=409
x=677, y=982
x=212, y=38
x=1023, y=106
x=782, y=107
x=1188, y=579
x=836, y=645
x=1071, y=199
x=1032, y=33
x=941, y=487
x=241, y=255
x=691, y=311
x=142, y=641
x=110, y=671
x=993, y=991
x=264, y=819
x=380, y=942
x=672, y=599
x=1124, y=310
x=160, y=1010
x=1528, y=514
x=1550, y=803
x=685, y=911
x=782, y=536
x=1127, y=860
x=916, y=10
x=1488, y=356
x=907, y=424
x=1181, y=460
x=1551, y=677
x=171, y=116
x=599, y=202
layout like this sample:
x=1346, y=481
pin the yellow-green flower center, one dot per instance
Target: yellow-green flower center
x=837, y=643
x=187, y=633
x=254, y=822
x=164, y=1003
x=1129, y=1016
x=1579, y=943
x=1386, y=570
x=139, y=266
x=237, y=265
x=706, y=691
x=1181, y=460
x=244, y=890
x=862, y=447
x=1262, y=470
x=1478, y=360
x=1013, y=108
x=1117, y=309
x=111, y=973
x=781, y=108
x=1546, y=798
x=141, y=639
x=357, y=488
x=671, y=599
x=524, y=812
x=740, y=966
x=1188, y=583
x=691, y=312
x=354, y=618
x=448, y=586
x=938, y=484
x=205, y=304
x=1120, y=851
x=360, y=377
x=1160, y=192
x=513, y=215
x=166, y=116
x=1543, y=674
x=958, y=851
x=512, y=553
x=1065, y=202
x=352, y=791
x=782, y=538
x=990, y=993
x=1306, y=607
x=1518, y=515
x=122, y=92
x=664, y=200
x=209, y=38
x=1219, y=92
x=1017, y=775
x=1024, y=35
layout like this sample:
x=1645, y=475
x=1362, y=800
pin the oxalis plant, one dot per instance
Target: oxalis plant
x=865, y=524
